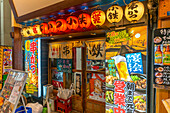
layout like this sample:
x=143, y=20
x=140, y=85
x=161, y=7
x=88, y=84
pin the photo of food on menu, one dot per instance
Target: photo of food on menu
x=126, y=70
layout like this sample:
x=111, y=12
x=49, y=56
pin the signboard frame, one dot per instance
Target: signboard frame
x=21, y=89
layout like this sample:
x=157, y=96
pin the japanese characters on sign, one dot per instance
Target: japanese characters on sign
x=66, y=51
x=72, y=22
x=54, y=50
x=31, y=66
x=162, y=56
x=117, y=37
x=98, y=17
x=134, y=11
x=114, y=14
x=96, y=50
x=134, y=63
x=84, y=20
x=126, y=71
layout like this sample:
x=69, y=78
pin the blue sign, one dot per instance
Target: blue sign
x=134, y=63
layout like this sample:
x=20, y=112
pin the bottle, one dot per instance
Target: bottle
x=166, y=56
x=158, y=55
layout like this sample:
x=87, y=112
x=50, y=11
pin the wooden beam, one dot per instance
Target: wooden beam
x=17, y=49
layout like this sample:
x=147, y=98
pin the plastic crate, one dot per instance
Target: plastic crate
x=63, y=105
x=22, y=110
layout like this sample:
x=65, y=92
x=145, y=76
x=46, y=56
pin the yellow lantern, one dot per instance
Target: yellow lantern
x=134, y=11
x=30, y=31
x=37, y=30
x=114, y=14
x=98, y=17
x=24, y=32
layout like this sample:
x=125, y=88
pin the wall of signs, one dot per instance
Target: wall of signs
x=32, y=66
x=12, y=90
x=126, y=70
x=162, y=56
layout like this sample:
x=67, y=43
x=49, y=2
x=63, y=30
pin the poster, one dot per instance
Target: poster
x=5, y=63
x=31, y=66
x=54, y=50
x=12, y=90
x=162, y=56
x=97, y=87
x=66, y=51
x=7, y=60
x=64, y=65
x=96, y=50
x=126, y=70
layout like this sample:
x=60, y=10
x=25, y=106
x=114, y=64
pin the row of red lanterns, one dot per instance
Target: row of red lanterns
x=133, y=12
x=60, y=25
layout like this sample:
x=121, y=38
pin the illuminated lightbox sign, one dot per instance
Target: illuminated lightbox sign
x=32, y=66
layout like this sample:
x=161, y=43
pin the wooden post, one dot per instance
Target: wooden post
x=17, y=53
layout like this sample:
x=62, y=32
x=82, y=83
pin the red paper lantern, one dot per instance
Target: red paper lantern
x=61, y=25
x=44, y=28
x=84, y=20
x=52, y=27
x=72, y=22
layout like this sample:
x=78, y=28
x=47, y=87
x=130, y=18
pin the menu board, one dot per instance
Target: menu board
x=162, y=56
x=64, y=65
x=31, y=66
x=126, y=70
x=12, y=90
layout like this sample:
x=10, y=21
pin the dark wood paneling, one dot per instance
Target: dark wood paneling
x=17, y=49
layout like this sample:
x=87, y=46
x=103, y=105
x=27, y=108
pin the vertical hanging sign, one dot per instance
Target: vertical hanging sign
x=31, y=66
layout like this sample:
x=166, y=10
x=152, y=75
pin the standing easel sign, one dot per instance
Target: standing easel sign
x=12, y=90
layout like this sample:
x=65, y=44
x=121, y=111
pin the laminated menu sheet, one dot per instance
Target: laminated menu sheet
x=12, y=90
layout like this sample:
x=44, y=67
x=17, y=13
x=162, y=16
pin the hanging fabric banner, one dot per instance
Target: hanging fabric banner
x=54, y=50
x=66, y=51
x=96, y=50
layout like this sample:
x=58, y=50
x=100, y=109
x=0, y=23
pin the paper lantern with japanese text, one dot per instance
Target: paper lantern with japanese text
x=84, y=20
x=24, y=32
x=52, y=27
x=134, y=11
x=61, y=25
x=72, y=22
x=114, y=14
x=98, y=17
x=44, y=28
x=30, y=31
x=36, y=29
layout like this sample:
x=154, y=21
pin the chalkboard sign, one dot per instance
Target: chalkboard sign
x=64, y=65
x=12, y=90
x=162, y=56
